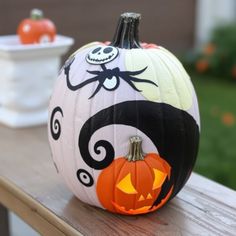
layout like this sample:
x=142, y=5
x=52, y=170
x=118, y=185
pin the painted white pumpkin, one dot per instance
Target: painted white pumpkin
x=107, y=93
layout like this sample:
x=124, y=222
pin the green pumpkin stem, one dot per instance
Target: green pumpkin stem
x=36, y=14
x=135, y=149
x=126, y=35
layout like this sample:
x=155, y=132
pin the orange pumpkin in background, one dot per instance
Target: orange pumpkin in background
x=36, y=29
x=134, y=183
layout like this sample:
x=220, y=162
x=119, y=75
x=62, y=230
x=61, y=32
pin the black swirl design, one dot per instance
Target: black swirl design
x=85, y=178
x=55, y=126
x=174, y=132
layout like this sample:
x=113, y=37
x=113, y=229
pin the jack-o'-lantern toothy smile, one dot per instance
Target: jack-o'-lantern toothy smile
x=102, y=54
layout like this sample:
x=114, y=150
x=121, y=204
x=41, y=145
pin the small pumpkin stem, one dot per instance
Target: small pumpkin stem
x=36, y=14
x=126, y=35
x=135, y=149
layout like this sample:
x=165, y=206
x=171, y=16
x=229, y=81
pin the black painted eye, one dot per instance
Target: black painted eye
x=85, y=178
x=108, y=50
x=96, y=50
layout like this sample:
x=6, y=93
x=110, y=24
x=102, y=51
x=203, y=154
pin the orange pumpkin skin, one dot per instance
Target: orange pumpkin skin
x=149, y=45
x=31, y=31
x=144, y=186
x=143, y=44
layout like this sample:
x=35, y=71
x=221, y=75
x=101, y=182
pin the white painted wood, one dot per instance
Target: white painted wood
x=27, y=76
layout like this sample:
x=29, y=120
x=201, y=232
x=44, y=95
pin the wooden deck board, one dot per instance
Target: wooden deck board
x=30, y=186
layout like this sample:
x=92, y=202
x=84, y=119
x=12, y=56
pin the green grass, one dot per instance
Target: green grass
x=217, y=153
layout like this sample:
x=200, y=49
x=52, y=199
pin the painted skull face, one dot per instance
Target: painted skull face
x=102, y=54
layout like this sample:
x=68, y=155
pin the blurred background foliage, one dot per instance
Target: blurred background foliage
x=218, y=56
x=213, y=72
x=217, y=152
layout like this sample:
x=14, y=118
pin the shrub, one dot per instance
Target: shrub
x=218, y=56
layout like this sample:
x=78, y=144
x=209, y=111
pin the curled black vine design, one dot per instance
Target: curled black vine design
x=174, y=132
x=55, y=126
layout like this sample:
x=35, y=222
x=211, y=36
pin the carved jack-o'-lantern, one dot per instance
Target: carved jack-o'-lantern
x=109, y=92
x=133, y=183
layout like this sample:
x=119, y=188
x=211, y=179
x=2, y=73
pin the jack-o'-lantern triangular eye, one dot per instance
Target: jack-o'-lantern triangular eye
x=159, y=178
x=126, y=186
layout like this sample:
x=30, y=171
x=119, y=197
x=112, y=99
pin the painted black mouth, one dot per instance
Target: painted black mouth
x=102, y=60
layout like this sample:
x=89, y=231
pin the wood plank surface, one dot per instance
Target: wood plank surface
x=30, y=186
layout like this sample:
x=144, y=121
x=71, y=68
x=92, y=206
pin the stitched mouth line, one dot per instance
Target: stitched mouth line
x=97, y=60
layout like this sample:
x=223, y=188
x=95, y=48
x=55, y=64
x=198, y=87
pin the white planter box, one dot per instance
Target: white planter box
x=27, y=75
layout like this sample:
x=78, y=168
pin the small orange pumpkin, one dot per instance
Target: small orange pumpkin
x=36, y=29
x=133, y=183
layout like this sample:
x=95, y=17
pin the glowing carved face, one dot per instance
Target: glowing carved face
x=132, y=187
x=102, y=54
x=145, y=194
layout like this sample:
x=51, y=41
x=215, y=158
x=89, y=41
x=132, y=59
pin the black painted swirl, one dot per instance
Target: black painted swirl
x=85, y=178
x=55, y=126
x=174, y=132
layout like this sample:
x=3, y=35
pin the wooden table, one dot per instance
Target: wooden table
x=30, y=187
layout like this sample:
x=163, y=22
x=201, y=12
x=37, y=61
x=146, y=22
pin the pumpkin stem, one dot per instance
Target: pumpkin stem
x=36, y=14
x=126, y=35
x=135, y=149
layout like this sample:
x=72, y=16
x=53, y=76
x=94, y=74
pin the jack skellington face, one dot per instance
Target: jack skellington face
x=102, y=54
x=109, y=79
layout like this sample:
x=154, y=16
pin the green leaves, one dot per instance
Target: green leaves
x=219, y=53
